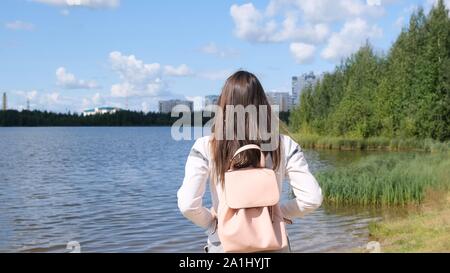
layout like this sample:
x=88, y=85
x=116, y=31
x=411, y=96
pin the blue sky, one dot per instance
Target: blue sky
x=76, y=54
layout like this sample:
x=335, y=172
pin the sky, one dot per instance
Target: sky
x=72, y=55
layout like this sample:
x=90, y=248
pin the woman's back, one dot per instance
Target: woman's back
x=211, y=157
x=293, y=168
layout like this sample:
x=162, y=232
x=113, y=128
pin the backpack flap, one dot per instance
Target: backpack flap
x=251, y=188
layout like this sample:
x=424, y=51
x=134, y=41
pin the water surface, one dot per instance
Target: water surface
x=114, y=190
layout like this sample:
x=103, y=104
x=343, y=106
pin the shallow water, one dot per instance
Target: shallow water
x=114, y=190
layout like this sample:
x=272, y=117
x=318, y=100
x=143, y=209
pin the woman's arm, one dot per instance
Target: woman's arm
x=308, y=194
x=190, y=195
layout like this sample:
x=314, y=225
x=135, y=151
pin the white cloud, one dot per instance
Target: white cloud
x=305, y=24
x=28, y=95
x=19, y=25
x=31, y=95
x=180, y=71
x=215, y=50
x=303, y=53
x=95, y=101
x=153, y=88
x=329, y=10
x=69, y=81
x=122, y=90
x=249, y=23
x=349, y=39
x=50, y=99
x=132, y=69
x=302, y=20
x=138, y=78
x=314, y=33
x=81, y=3
x=254, y=26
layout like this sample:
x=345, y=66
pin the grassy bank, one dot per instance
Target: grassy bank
x=424, y=231
x=370, y=144
x=387, y=180
x=419, y=183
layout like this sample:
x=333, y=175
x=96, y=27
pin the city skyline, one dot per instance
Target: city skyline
x=61, y=57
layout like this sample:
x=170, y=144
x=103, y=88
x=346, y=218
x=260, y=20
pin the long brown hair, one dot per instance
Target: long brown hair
x=241, y=89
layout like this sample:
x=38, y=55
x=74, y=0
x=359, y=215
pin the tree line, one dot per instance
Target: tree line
x=24, y=118
x=13, y=118
x=402, y=93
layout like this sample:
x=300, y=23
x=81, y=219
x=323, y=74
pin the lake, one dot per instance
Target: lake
x=114, y=190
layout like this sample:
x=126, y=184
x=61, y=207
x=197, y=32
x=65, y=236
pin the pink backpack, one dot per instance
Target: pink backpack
x=249, y=215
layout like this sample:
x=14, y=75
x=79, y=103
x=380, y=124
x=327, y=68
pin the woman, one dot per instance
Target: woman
x=210, y=158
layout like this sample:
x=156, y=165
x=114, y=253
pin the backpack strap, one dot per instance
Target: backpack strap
x=246, y=148
x=251, y=147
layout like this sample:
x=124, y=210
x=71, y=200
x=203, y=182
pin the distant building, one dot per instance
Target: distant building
x=282, y=99
x=165, y=107
x=301, y=82
x=100, y=111
x=5, y=102
x=211, y=100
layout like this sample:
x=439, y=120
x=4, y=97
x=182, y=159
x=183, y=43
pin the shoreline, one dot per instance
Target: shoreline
x=383, y=144
x=422, y=231
x=417, y=185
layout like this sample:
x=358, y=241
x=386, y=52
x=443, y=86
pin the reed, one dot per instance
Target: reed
x=386, y=180
x=371, y=144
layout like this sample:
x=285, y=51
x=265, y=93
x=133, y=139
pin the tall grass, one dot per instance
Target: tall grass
x=386, y=180
x=371, y=144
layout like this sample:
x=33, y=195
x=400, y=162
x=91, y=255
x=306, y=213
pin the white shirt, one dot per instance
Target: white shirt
x=293, y=167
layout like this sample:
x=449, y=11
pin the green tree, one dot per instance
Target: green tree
x=403, y=94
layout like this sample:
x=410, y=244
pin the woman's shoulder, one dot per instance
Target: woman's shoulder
x=203, y=141
x=202, y=145
x=288, y=142
x=289, y=145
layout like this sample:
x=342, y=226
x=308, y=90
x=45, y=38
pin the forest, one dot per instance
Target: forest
x=403, y=93
x=13, y=118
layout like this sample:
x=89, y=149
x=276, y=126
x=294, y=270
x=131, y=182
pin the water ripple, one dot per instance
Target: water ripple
x=114, y=190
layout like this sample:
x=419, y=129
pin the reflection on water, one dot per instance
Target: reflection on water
x=114, y=190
